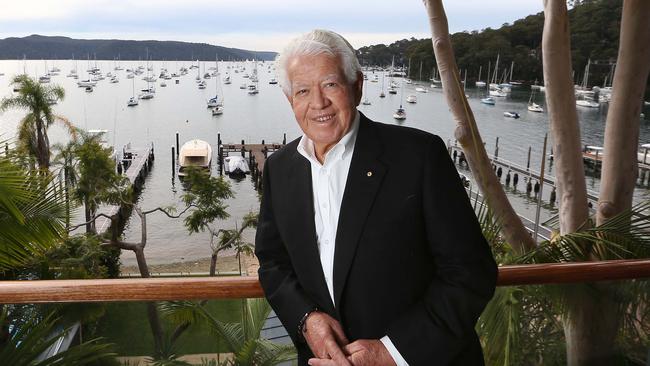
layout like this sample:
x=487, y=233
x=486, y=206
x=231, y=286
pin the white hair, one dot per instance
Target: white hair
x=317, y=42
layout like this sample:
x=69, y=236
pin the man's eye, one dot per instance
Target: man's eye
x=329, y=85
x=301, y=92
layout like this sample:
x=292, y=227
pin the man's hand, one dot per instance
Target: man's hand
x=325, y=337
x=368, y=352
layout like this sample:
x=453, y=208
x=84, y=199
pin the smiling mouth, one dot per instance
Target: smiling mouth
x=324, y=118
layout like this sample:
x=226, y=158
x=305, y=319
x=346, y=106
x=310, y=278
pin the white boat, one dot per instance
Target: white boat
x=273, y=81
x=235, y=166
x=196, y=153
x=146, y=95
x=365, y=101
x=497, y=92
x=44, y=79
x=420, y=89
x=392, y=90
x=412, y=99
x=511, y=114
x=252, y=89
x=86, y=83
x=89, y=89
x=163, y=84
x=587, y=103
x=132, y=102
x=488, y=101
x=217, y=111
x=242, y=86
x=202, y=84
x=400, y=114
x=534, y=107
x=226, y=80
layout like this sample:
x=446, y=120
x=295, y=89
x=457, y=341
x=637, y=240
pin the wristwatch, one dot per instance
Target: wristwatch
x=303, y=322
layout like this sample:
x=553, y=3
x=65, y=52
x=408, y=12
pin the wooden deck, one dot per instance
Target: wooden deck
x=256, y=153
x=138, y=162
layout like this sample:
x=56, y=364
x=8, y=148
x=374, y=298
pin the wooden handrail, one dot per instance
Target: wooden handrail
x=194, y=288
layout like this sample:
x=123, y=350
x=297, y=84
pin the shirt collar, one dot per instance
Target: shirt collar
x=342, y=149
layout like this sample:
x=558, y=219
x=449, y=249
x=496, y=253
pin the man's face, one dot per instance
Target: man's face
x=321, y=98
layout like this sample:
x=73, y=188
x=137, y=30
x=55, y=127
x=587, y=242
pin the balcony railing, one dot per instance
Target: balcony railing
x=159, y=289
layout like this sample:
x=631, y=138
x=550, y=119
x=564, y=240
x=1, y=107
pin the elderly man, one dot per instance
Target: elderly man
x=370, y=252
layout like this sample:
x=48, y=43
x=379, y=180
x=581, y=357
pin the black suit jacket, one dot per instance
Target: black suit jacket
x=410, y=259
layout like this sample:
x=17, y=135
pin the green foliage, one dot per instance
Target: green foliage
x=32, y=131
x=32, y=213
x=78, y=257
x=242, y=339
x=98, y=181
x=523, y=325
x=29, y=338
x=207, y=195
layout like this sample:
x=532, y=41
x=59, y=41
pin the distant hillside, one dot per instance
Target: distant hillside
x=594, y=26
x=43, y=47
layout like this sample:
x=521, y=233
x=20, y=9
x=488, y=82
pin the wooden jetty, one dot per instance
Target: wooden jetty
x=135, y=163
x=257, y=154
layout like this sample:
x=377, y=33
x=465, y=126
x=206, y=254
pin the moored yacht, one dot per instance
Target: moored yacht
x=196, y=153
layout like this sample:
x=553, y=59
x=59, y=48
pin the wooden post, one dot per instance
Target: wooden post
x=177, y=146
x=284, y=139
x=496, y=150
x=173, y=162
x=528, y=161
x=218, y=138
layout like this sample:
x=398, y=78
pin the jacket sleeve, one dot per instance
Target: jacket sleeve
x=441, y=324
x=276, y=274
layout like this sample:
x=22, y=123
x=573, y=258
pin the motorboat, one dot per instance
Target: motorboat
x=488, y=101
x=511, y=114
x=89, y=89
x=366, y=101
x=497, y=92
x=382, y=95
x=420, y=89
x=202, y=84
x=587, y=103
x=534, y=107
x=146, y=95
x=214, y=102
x=86, y=83
x=480, y=84
x=194, y=153
x=235, y=166
x=273, y=81
x=392, y=90
x=400, y=113
x=217, y=111
x=132, y=102
x=412, y=99
x=252, y=89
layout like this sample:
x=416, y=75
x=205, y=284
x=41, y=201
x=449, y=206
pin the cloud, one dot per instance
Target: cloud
x=264, y=25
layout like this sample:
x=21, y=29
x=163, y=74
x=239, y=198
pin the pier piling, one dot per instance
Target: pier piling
x=177, y=146
x=173, y=162
x=528, y=161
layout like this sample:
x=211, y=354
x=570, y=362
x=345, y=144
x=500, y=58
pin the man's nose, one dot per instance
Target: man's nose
x=318, y=99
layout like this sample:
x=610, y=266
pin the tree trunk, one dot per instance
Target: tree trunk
x=89, y=227
x=213, y=265
x=42, y=146
x=591, y=323
x=142, y=262
x=468, y=135
x=156, y=328
x=561, y=105
x=619, y=171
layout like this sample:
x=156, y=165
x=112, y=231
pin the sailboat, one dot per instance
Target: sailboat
x=392, y=87
x=216, y=103
x=382, y=94
x=584, y=93
x=488, y=100
x=532, y=106
x=400, y=113
x=133, y=101
x=479, y=83
x=252, y=88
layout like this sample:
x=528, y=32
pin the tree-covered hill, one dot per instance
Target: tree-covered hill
x=49, y=48
x=594, y=28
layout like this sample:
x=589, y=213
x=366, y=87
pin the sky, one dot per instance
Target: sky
x=249, y=24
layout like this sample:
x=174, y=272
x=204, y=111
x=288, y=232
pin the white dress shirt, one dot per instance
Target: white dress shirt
x=328, y=184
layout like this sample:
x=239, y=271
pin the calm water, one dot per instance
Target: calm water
x=182, y=108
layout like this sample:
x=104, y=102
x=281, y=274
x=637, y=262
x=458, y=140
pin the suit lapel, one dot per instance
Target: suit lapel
x=364, y=180
x=302, y=217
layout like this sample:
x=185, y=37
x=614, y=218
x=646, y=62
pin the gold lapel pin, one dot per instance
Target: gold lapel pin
x=369, y=174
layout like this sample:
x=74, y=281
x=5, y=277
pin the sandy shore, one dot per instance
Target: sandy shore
x=225, y=264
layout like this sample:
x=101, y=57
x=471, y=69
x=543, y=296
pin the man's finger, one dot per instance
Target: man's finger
x=321, y=362
x=354, y=347
x=335, y=352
